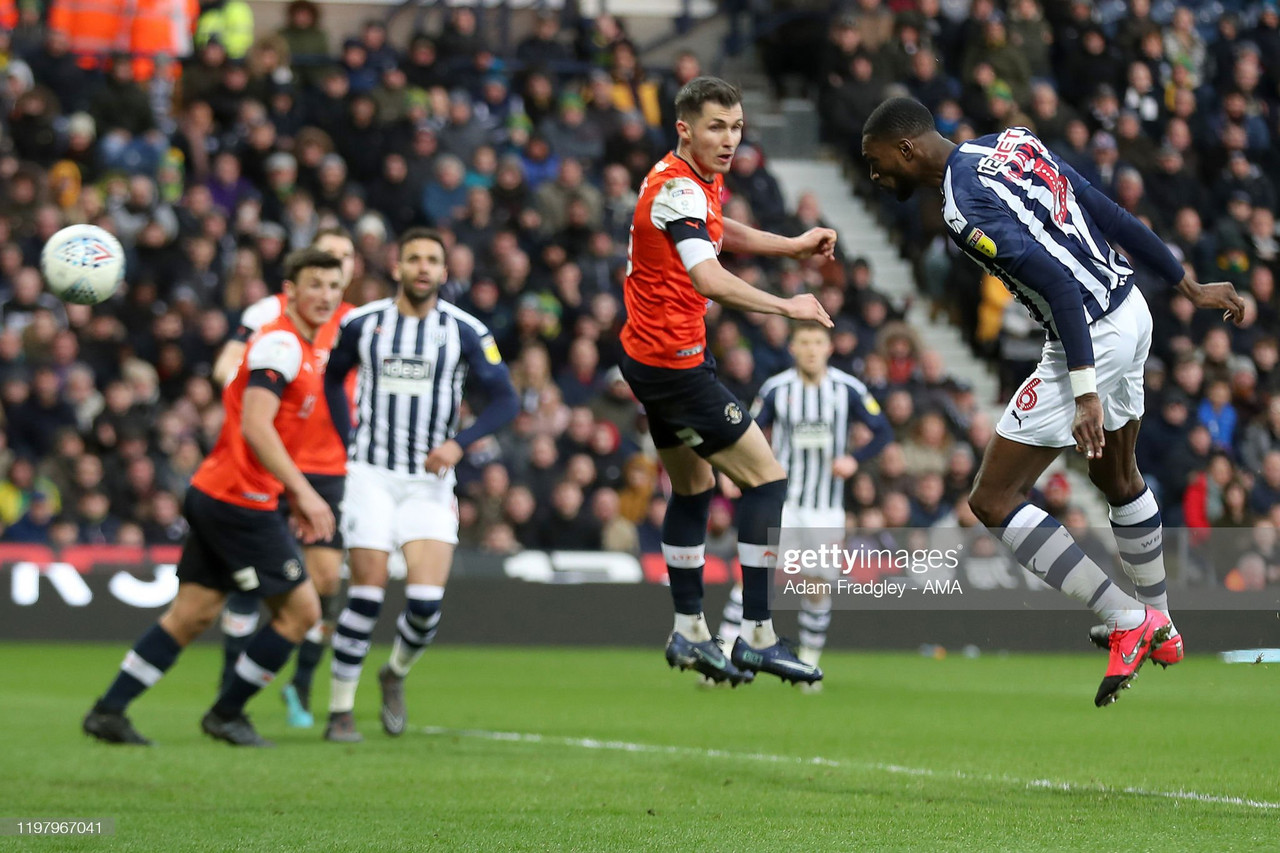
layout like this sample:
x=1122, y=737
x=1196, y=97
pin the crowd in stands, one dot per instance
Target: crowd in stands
x=210, y=170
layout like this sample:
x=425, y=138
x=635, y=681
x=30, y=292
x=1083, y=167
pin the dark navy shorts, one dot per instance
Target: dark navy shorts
x=687, y=406
x=330, y=487
x=235, y=549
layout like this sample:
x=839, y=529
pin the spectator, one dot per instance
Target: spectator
x=19, y=489
x=33, y=425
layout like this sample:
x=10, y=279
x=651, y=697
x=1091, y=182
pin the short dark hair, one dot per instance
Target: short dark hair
x=420, y=233
x=701, y=90
x=898, y=118
x=308, y=258
x=809, y=326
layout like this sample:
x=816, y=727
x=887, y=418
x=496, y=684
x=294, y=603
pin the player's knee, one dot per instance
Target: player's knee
x=770, y=492
x=297, y=617
x=324, y=566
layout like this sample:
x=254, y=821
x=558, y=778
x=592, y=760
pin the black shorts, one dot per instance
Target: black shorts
x=331, y=488
x=235, y=549
x=687, y=406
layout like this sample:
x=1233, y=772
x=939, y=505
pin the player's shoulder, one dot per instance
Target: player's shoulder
x=357, y=315
x=262, y=312
x=276, y=348
x=778, y=380
x=848, y=380
x=466, y=321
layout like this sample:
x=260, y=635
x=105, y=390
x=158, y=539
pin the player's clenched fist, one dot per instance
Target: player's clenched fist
x=807, y=308
x=815, y=241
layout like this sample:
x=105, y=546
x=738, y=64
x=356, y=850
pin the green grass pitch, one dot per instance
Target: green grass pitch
x=617, y=752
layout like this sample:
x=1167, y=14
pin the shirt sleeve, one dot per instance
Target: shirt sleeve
x=486, y=365
x=274, y=360
x=1124, y=229
x=680, y=209
x=989, y=229
x=342, y=358
x=255, y=317
x=864, y=407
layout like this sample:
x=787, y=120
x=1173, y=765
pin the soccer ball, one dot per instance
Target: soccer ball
x=83, y=264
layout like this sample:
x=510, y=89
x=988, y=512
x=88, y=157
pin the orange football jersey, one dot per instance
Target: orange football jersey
x=326, y=454
x=232, y=472
x=666, y=318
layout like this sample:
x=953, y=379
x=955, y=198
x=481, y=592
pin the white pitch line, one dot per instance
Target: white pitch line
x=819, y=761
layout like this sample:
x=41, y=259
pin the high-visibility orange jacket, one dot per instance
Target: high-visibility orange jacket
x=160, y=28
x=94, y=28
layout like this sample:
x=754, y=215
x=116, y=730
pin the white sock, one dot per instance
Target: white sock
x=759, y=635
x=403, y=657
x=693, y=627
x=731, y=621
x=342, y=695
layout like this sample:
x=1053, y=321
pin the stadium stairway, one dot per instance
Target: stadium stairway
x=862, y=236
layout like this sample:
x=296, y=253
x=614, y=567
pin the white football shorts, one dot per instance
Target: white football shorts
x=384, y=509
x=806, y=528
x=1043, y=409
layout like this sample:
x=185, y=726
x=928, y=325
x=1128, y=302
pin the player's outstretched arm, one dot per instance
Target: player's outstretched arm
x=743, y=239
x=715, y=282
x=1143, y=243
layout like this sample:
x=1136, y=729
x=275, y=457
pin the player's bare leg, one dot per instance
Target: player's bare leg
x=190, y=613
x=428, y=562
x=324, y=567
x=1043, y=546
x=1135, y=520
x=750, y=464
x=351, y=639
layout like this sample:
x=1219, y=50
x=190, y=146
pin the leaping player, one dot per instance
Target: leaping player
x=697, y=424
x=1030, y=219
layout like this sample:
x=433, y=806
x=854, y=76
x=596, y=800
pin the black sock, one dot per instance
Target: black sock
x=239, y=622
x=265, y=656
x=684, y=536
x=309, y=655
x=143, y=666
x=759, y=515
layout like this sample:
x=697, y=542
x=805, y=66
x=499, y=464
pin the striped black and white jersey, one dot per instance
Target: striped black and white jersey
x=811, y=424
x=1033, y=222
x=410, y=383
